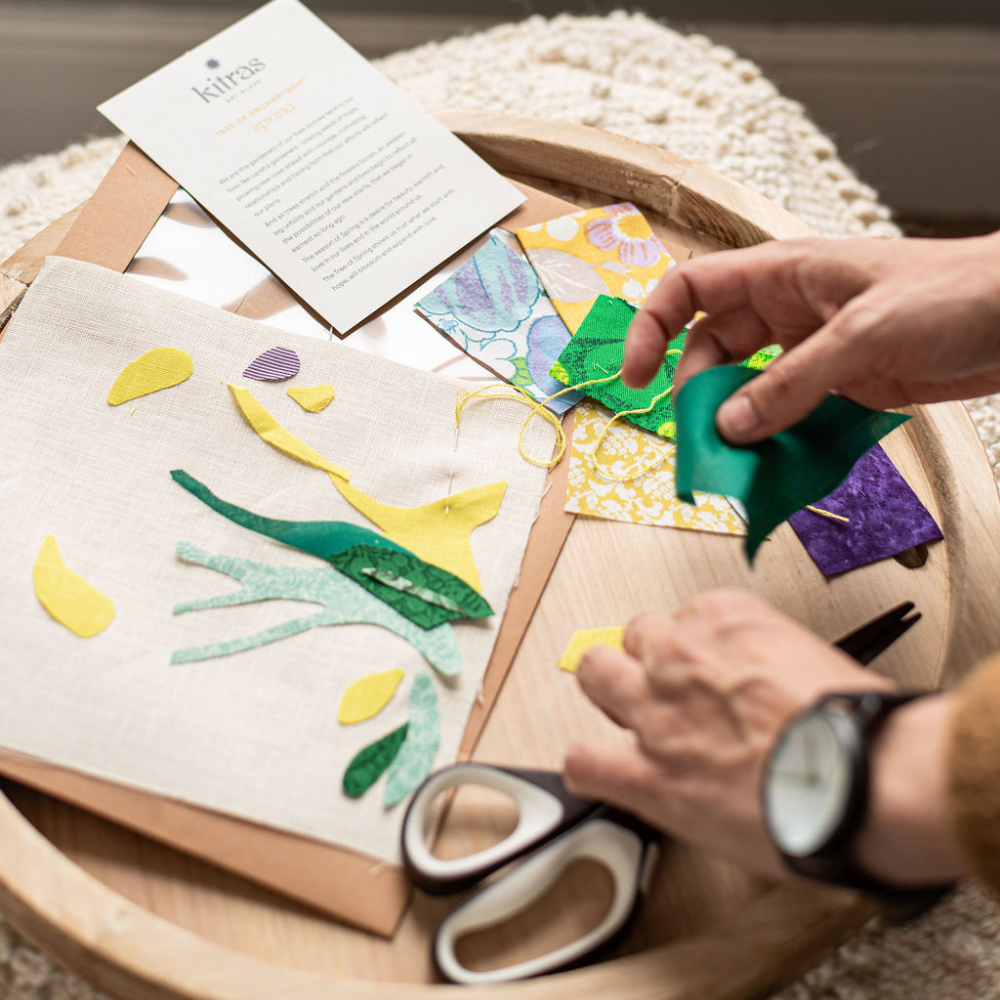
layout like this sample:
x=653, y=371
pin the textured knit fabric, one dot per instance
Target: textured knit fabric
x=974, y=771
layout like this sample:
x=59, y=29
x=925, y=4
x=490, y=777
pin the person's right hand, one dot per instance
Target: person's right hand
x=881, y=323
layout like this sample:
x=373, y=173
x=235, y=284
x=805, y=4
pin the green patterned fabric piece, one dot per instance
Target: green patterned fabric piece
x=351, y=550
x=781, y=475
x=416, y=756
x=430, y=592
x=343, y=602
x=369, y=764
x=596, y=351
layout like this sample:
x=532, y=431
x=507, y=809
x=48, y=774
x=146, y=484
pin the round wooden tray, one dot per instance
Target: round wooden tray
x=139, y=920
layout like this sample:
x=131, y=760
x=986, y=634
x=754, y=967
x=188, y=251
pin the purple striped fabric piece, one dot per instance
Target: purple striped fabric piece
x=273, y=365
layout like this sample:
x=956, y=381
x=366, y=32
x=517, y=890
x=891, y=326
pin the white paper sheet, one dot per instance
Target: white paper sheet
x=344, y=188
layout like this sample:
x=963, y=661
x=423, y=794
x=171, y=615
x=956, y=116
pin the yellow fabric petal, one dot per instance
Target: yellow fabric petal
x=437, y=532
x=73, y=602
x=368, y=696
x=276, y=435
x=586, y=639
x=312, y=398
x=158, y=369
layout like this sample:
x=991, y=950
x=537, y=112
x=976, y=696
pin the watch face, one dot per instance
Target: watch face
x=808, y=784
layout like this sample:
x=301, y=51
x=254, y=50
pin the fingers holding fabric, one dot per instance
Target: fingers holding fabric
x=615, y=682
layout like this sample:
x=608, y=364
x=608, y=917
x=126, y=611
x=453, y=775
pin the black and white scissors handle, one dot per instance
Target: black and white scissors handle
x=561, y=828
x=545, y=809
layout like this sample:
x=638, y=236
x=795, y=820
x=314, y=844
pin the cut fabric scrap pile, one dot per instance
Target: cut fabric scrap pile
x=554, y=327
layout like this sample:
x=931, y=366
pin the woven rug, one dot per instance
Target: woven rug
x=630, y=75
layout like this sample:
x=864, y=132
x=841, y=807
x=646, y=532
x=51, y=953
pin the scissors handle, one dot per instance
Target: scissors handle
x=545, y=810
x=622, y=845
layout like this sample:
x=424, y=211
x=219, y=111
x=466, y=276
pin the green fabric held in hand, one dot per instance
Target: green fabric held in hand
x=369, y=764
x=416, y=756
x=426, y=594
x=351, y=549
x=778, y=476
x=342, y=602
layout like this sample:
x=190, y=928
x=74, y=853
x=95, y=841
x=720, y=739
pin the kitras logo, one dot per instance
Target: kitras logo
x=226, y=83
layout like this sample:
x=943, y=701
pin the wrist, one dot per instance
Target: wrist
x=907, y=838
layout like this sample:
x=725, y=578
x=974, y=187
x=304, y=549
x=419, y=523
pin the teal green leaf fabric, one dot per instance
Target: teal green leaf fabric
x=369, y=764
x=778, y=476
x=342, y=601
x=318, y=538
x=416, y=756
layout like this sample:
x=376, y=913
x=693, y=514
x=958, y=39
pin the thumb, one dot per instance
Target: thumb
x=791, y=387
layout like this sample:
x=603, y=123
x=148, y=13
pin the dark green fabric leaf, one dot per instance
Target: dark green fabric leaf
x=366, y=563
x=369, y=764
x=778, y=476
x=319, y=538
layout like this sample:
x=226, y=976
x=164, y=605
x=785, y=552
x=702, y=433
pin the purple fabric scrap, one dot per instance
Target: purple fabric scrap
x=886, y=517
x=273, y=365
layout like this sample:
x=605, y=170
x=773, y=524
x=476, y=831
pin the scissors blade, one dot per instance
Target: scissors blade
x=870, y=640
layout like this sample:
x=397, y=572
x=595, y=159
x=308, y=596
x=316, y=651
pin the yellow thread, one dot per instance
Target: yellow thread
x=826, y=513
x=538, y=408
x=486, y=392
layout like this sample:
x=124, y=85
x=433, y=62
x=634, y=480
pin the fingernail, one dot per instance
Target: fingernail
x=737, y=418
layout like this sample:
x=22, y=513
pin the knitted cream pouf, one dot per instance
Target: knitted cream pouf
x=626, y=74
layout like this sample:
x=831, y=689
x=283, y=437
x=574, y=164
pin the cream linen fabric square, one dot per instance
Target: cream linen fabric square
x=254, y=734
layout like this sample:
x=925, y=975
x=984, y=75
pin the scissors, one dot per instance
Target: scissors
x=554, y=829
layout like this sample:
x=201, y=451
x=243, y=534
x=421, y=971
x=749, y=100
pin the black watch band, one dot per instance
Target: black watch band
x=835, y=862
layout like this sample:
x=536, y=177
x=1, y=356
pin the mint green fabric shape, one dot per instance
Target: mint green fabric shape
x=369, y=763
x=781, y=475
x=343, y=602
x=426, y=594
x=423, y=736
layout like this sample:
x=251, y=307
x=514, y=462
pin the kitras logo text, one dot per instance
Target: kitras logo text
x=226, y=84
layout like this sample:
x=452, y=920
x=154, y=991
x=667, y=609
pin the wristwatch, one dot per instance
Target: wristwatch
x=816, y=786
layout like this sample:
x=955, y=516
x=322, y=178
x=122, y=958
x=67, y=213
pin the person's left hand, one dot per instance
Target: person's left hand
x=707, y=693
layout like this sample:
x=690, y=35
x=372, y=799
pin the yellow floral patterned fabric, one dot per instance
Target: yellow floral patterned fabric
x=600, y=251
x=649, y=499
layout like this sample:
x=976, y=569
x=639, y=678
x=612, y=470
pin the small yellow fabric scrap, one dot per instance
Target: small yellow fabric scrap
x=437, y=532
x=368, y=696
x=312, y=398
x=160, y=368
x=650, y=498
x=73, y=602
x=277, y=437
x=586, y=639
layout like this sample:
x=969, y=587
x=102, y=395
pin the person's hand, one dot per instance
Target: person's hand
x=706, y=694
x=882, y=323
